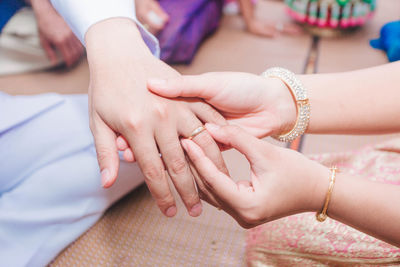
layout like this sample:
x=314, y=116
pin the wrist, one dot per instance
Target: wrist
x=115, y=44
x=319, y=184
x=285, y=106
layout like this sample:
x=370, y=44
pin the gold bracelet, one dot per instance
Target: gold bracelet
x=299, y=93
x=321, y=216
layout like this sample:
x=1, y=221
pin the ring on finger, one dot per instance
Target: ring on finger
x=196, y=132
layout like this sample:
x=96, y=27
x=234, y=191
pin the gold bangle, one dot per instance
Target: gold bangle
x=321, y=216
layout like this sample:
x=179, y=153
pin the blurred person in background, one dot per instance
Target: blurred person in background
x=182, y=25
x=33, y=36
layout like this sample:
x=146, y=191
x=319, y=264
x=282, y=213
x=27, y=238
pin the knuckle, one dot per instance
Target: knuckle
x=160, y=109
x=205, y=140
x=133, y=124
x=152, y=172
x=233, y=130
x=214, y=115
x=103, y=153
x=177, y=166
x=165, y=201
x=191, y=199
x=251, y=217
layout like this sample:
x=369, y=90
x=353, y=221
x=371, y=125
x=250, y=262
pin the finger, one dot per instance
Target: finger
x=78, y=46
x=122, y=144
x=204, y=140
x=66, y=53
x=291, y=28
x=160, y=12
x=74, y=51
x=267, y=30
x=128, y=155
x=207, y=113
x=202, y=86
x=236, y=137
x=154, y=20
x=178, y=169
x=203, y=191
x=107, y=155
x=49, y=50
x=146, y=154
x=224, y=187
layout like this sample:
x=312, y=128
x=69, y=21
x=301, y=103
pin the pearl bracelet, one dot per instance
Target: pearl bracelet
x=300, y=96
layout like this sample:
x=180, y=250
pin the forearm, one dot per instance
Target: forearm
x=358, y=102
x=41, y=7
x=368, y=206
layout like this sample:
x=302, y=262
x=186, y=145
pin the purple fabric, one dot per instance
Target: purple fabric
x=191, y=21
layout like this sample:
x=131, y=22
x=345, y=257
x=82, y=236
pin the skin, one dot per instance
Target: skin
x=143, y=10
x=260, y=27
x=120, y=104
x=55, y=35
x=339, y=104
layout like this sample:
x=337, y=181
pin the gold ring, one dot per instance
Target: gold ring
x=196, y=132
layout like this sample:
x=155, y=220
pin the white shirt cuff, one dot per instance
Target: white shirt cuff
x=81, y=14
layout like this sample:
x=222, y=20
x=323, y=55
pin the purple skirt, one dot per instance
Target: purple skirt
x=191, y=21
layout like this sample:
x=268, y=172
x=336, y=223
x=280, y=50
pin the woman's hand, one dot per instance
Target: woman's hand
x=119, y=103
x=283, y=181
x=261, y=106
x=55, y=35
x=151, y=15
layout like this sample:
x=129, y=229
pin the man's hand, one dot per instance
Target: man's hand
x=55, y=34
x=120, y=64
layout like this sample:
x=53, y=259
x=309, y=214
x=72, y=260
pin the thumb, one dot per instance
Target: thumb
x=203, y=86
x=236, y=137
x=107, y=154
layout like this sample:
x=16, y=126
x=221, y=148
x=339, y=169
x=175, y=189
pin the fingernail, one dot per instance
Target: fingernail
x=159, y=83
x=212, y=127
x=105, y=177
x=171, y=211
x=196, y=210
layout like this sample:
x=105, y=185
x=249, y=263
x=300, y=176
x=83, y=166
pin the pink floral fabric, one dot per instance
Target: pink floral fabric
x=300, y=240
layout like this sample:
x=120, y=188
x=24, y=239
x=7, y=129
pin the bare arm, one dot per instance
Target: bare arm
x=371, y=207
x=359, y=102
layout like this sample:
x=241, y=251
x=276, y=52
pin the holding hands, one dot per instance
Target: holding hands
x=283, y=181
x=261, y=106
x=120, y=104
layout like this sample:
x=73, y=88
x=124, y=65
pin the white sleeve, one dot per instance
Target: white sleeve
x=81, y=14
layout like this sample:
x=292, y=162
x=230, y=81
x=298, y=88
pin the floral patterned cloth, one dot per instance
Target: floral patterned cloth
x=300, y=240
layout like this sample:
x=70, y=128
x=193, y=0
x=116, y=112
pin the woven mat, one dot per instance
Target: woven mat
x=135, y=233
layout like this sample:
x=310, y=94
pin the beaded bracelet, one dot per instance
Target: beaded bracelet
x=300, y=96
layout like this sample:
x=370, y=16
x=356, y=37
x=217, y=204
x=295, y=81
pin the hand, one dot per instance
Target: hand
x=121, y=104
x=151, y=15
x=283, y=181
x=268, y=29
x=55, y=34
x=261, y=106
